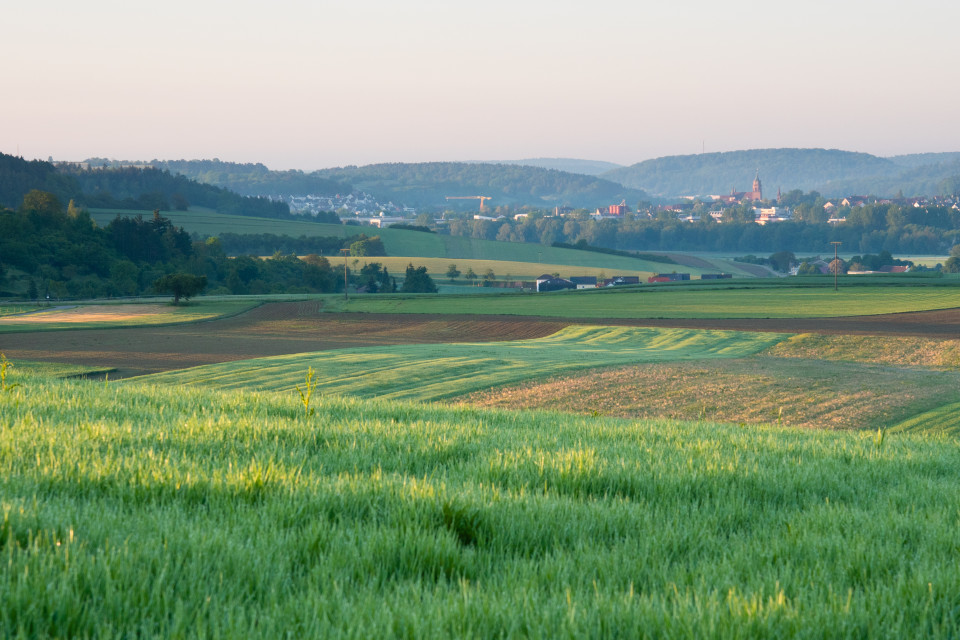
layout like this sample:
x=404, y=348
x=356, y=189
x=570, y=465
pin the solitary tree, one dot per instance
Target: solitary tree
x=181, y=285
x=452, y=272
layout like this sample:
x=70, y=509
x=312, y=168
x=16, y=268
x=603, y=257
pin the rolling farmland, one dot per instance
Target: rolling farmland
x=433, y=372
x=654, y=489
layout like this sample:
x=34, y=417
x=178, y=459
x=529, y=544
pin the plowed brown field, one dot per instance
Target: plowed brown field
x=282, y=328
x=271, y=329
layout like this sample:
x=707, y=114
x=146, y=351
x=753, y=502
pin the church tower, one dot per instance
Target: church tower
x=757, y=191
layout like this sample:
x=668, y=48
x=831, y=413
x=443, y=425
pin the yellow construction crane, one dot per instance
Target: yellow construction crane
x=482, y=199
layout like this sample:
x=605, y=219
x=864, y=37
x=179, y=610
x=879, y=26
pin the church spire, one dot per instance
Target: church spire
x=757, y=191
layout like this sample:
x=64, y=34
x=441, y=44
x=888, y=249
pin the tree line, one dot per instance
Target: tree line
x=870, y=229
x=48, y=250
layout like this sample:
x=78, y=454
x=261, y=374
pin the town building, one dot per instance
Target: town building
x=744, y=196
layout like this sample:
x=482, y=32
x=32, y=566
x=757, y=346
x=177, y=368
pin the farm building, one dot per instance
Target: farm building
x=668, y=277
x=584, y=282
x=547, y=282
x=716, y=276
x=617, y=281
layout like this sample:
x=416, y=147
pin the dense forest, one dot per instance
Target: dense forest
x=124, y=188
x=829, y=171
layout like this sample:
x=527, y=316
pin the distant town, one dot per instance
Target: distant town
x=739, y=206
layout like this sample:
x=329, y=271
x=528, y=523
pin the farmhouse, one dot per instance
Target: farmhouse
x=548, y=282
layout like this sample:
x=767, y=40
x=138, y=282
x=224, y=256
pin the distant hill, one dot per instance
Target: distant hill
x=253, y=179
x=18, y=177
x=130, y=187
x=428, y=184
x=422, y=185
x=832, y=172
x=570, y=165
x=915, y=160
x=719, y=173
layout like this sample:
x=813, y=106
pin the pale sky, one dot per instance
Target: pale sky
x=298, y=84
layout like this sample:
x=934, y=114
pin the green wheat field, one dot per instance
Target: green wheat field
x=141, y=511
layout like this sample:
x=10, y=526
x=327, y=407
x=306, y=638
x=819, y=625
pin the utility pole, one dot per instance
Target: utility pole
x=345, y=252
x=836, y=263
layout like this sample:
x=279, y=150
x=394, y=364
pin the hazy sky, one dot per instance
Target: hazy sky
x=311, y=84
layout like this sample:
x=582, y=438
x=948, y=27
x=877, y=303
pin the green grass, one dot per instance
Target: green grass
x=55, y=370
x=943, y=419
x=438, y=371
x=400, y=242
x=775, y=300
x=194, y=311
x=136, y=511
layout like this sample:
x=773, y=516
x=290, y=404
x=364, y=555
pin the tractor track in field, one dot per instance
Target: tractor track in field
x=297, y=327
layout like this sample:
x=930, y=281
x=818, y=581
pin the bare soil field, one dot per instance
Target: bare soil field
x=271, y=329
x=297, y=327
x=793, y=392
x=90, y=313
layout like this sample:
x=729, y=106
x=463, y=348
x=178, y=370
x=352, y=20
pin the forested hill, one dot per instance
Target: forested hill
x=719, y=173
x=145, y=188
x=915, y=160
x=428, y=184
x=18, y=177
x=253, y=179
x=571, y=165
x=422, y=185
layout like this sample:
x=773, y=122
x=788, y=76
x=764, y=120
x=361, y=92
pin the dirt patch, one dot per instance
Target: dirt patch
x=297, y=327
x=890, y=350
x=757, y=390
x=88, y=313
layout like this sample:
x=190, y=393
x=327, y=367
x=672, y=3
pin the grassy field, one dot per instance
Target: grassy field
x=49, y=370
x=509, y=270
x=433, y=372
x=130, y=510
x=104, y=316
x=688, y=301
x=400, y=242
x=18, y=308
